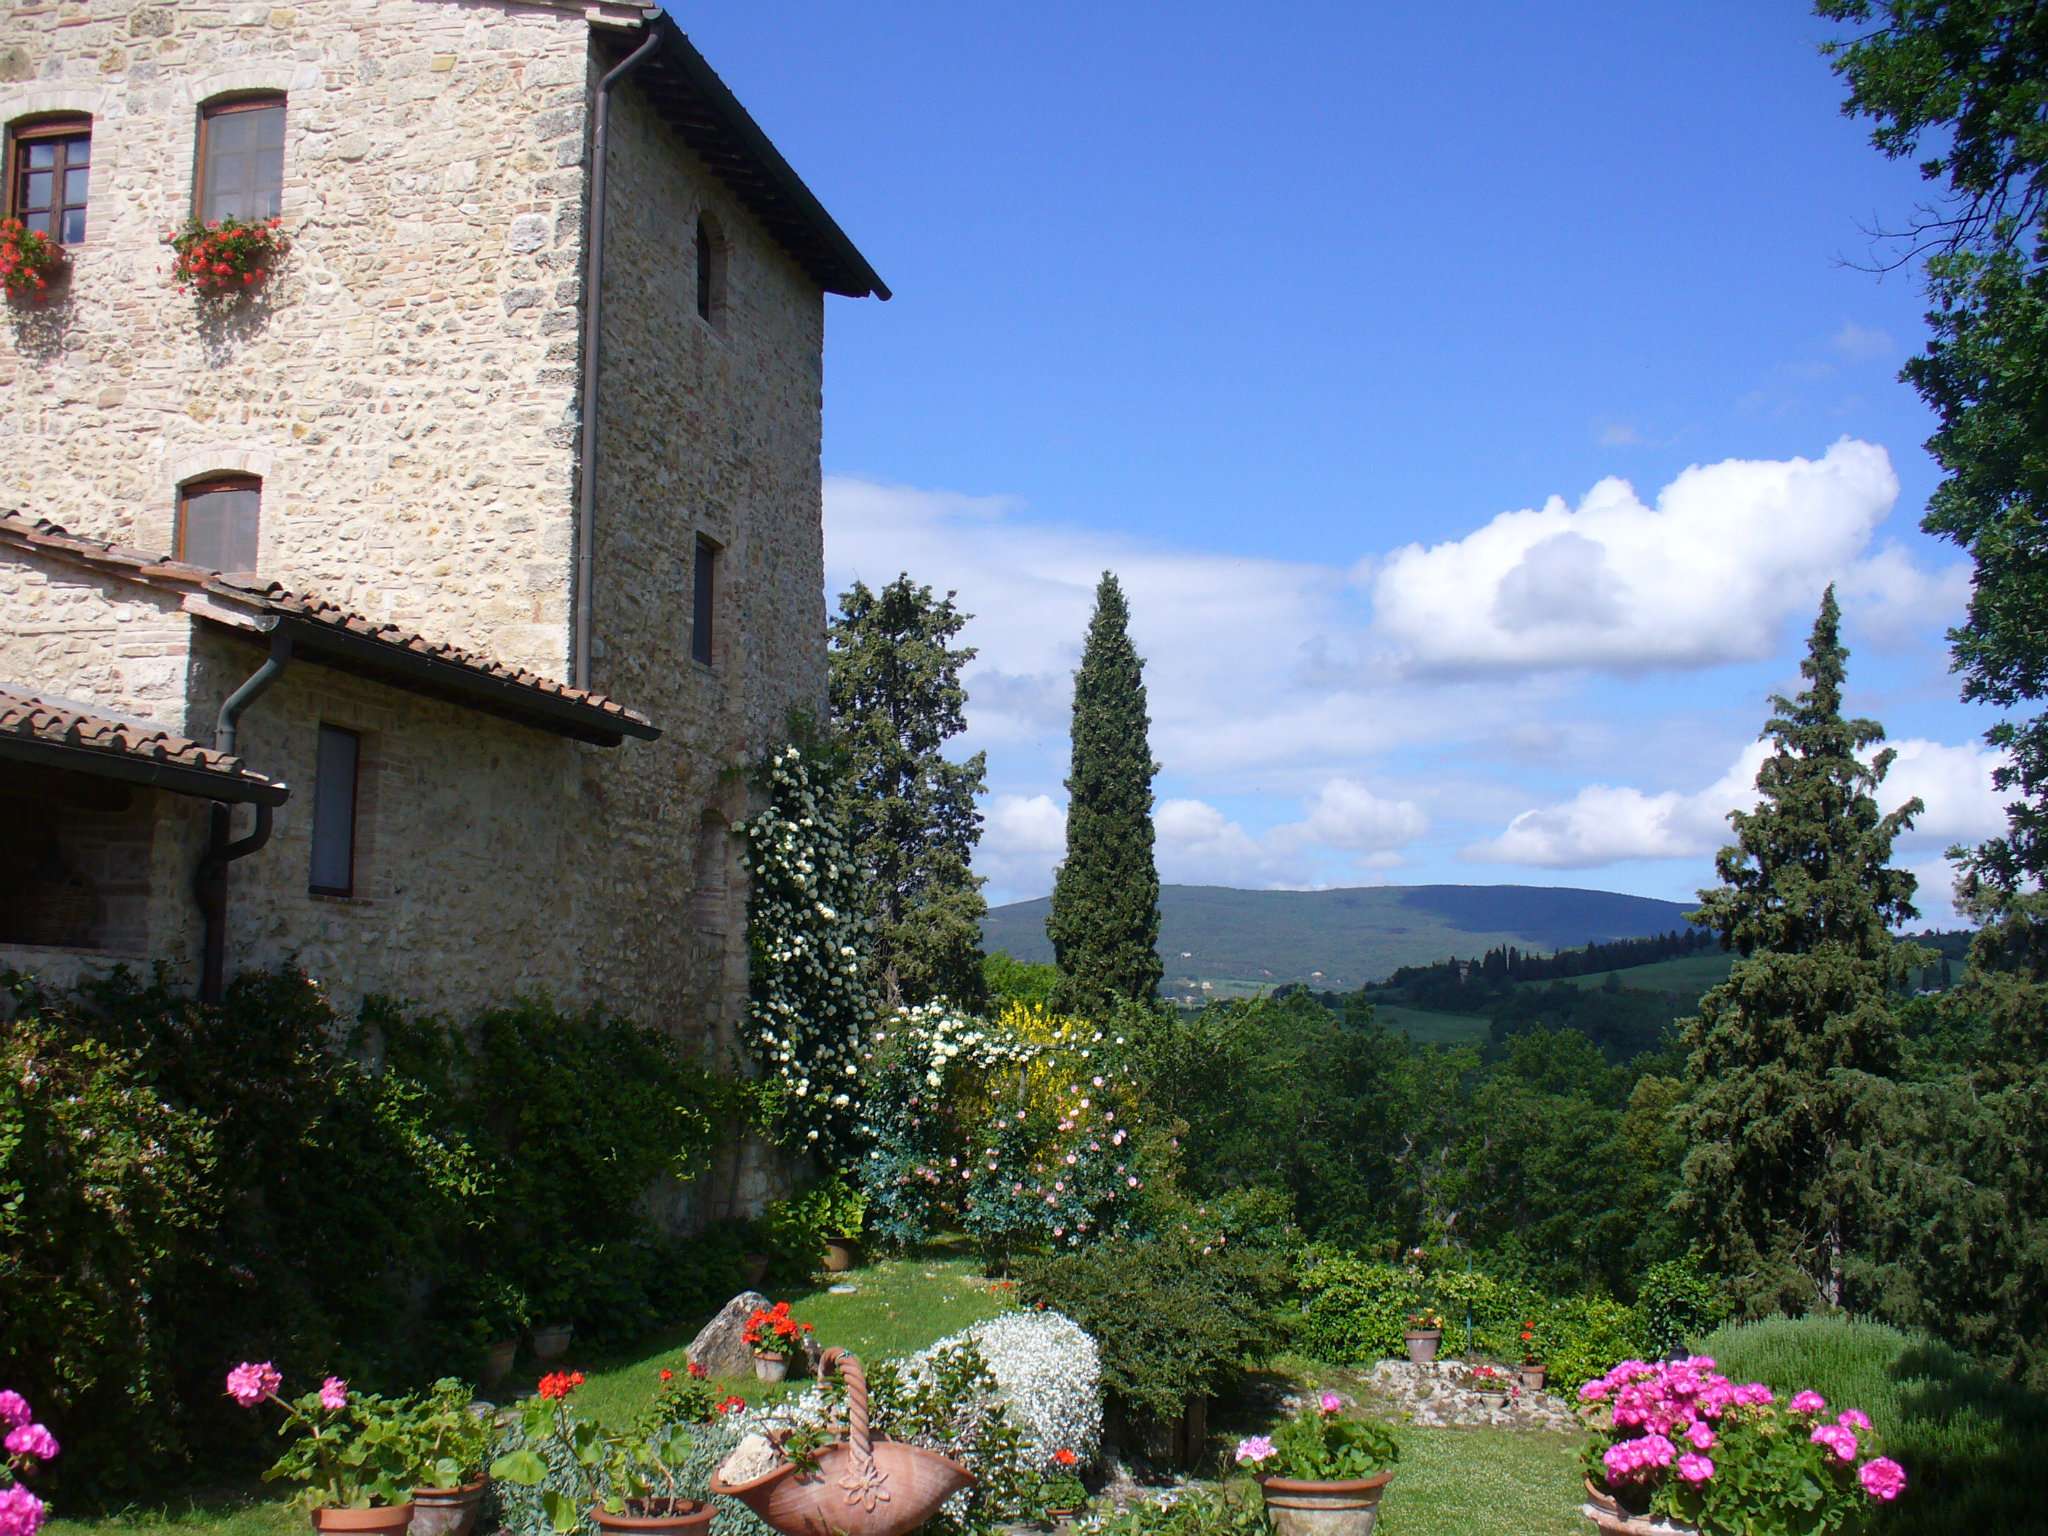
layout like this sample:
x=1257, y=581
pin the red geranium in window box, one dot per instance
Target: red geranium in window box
x=29, y=261
x=225, y=257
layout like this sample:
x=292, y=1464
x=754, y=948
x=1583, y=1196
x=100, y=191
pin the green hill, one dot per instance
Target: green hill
x=1686, y=977
x=1241, y=941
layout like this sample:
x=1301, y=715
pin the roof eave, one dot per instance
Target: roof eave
x=177, y=778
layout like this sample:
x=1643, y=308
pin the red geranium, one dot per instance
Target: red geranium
x=558, y=1384
x=772, y=1331
x=29, y=261
x=732, y=1404
x=698, y=1371
x=1064, y=1457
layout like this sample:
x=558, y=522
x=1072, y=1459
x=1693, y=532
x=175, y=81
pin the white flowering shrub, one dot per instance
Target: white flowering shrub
x=811, y=999
x=1046, y=1372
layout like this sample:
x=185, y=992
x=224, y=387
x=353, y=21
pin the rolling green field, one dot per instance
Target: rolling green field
x=1427, y=1028
x=1687, y=976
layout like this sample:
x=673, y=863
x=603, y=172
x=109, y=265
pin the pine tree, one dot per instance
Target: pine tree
x=910, y=813
x=1104, y=924
x=1807, y=899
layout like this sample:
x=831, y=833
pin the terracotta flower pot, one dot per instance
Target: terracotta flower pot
x=498, y=1360
x=552, y=1343
x=1610, y=1519
x=1493, y=1399
x=841, y=1254
x=448, y=1511
x=1422, y=1343
x=1533, y=1376
x=381, y=1520
x=862, y=1486
x=1348, y=1508
x=770, y=1367
x=656, y=1517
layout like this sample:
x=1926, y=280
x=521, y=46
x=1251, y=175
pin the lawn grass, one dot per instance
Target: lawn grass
x=253, y=1512
x=897, y=1307
x=1484, y=1482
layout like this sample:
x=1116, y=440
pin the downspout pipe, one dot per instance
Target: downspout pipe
x=593, y=342
x=210, y=880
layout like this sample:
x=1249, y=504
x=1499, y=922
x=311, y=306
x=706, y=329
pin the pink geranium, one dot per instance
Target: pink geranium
x=14, y=1409
x=1701, y=1435
x=250, y=1384
x=1809, y=1402
x=31, y=1440
x=1254, y=1449
x=1836, y=1437
x=1695, y=1469
x=334, y=1394
x=1882, y=1478
x=1330, y=1402
x=21, y=1512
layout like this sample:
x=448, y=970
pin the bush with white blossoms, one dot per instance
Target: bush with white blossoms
x=1018, y=1129
x=811, y=997
x=1048, y=1373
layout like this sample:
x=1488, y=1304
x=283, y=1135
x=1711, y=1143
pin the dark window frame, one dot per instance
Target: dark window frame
x=355, y=806
x=227, y=106
x=199, y=486
x=711, y=269
x=704, y=601
x=64, y=126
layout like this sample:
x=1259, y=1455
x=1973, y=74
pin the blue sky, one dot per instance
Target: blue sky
x=1299, y=319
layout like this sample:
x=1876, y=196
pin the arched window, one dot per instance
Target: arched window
x=710, y=269
x=49, y=165
x=239, y=172
x=219, y=517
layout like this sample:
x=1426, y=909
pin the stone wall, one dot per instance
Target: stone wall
x=71, y=632
x=406, y=382
x=713, y=428
x=467, y=886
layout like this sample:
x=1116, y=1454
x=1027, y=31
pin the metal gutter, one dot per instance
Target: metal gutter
x=593, y=344
x=210, y=880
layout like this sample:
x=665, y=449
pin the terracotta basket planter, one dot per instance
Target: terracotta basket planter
x=656, y=1517
x=1349, y=1508
x=1422, y=1344
x=862, y=1486
x=448, y=1511
x=383, y=1520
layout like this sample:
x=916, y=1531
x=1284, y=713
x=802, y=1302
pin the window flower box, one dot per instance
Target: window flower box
x=225, y=258
x=31, y=263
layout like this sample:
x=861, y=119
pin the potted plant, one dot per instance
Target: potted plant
x=1494, y=1385
x=1679, y=1445
x=31, y=263
x=454, y=1443
x=1061, y=1492
x=355, y=1452
x=776, y=1338
x=556, y=1301
x=1425, y=1332
x=501, y=1315
x=630, y=1482
x=225, y=258
x=856, y=1484
x=844, y=1210
x=28, y=1445
x=1533, y=1371
x=1323, y=1474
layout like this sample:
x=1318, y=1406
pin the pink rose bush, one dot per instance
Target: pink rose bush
x=29, y=1445
x=1774, y=1467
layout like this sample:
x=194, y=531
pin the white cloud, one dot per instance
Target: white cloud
x=1862, y=343
x=1348, y=815
x=1707, y=575
x=1611, y=824
x=1023, y=837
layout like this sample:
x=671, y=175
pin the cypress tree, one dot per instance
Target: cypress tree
x=1104, y=924
x=1807, y=900
x=910, y=813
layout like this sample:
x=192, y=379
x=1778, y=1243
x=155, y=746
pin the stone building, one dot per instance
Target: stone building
x=415, y=613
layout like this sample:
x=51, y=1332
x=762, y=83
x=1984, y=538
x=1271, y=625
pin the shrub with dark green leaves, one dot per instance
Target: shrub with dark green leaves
x=1172, y=1321
x=1679, y=1302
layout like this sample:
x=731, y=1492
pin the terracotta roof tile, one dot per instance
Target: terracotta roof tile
x=131, y=564
x=64, y=724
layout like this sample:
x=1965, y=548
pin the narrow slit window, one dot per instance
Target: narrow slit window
x=52, y=174
x=219, y=519
x=703, y=601
x=710, y=270
x=241, y=160
x=334, y=812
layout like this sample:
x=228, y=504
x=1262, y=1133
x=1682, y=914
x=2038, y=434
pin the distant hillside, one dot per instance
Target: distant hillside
x=1241, y=941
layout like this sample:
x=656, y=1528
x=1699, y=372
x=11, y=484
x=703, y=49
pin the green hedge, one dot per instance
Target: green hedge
x=1973, y=1446
x=1355, y=1310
